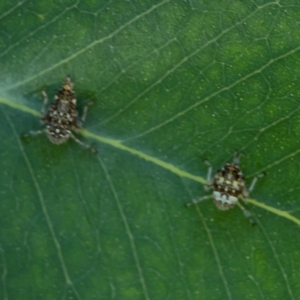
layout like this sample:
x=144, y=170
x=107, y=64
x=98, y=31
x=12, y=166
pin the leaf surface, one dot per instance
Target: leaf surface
x=174, y=82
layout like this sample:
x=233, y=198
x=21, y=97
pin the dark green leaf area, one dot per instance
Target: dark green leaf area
x=181, y=82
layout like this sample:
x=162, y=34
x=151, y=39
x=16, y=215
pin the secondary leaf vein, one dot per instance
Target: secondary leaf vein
x=211, y=96
x=284, y=275
x=83, y=50
x=127, y=228
x=44, y=209
x=179, y=64
x=213, y=246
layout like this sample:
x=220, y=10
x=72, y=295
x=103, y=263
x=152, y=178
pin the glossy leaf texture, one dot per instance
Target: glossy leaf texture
x=173, y=83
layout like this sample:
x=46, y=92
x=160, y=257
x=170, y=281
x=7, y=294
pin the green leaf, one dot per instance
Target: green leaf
x=174, y=82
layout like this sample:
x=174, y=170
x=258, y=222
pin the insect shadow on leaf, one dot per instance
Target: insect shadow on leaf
x=61, y=118
x=228, y=185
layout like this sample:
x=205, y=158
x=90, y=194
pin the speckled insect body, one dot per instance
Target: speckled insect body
x=228, y=185
x=62, y=116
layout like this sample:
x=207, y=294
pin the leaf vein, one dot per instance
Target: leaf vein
x=211, y=96
x=44, y=209
x=284, y=275
x=213, y=246
x=5, y=14
x=57, y=17
x=83, y=50
x=117, y=144
x=179, y=64
x=127, y=228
